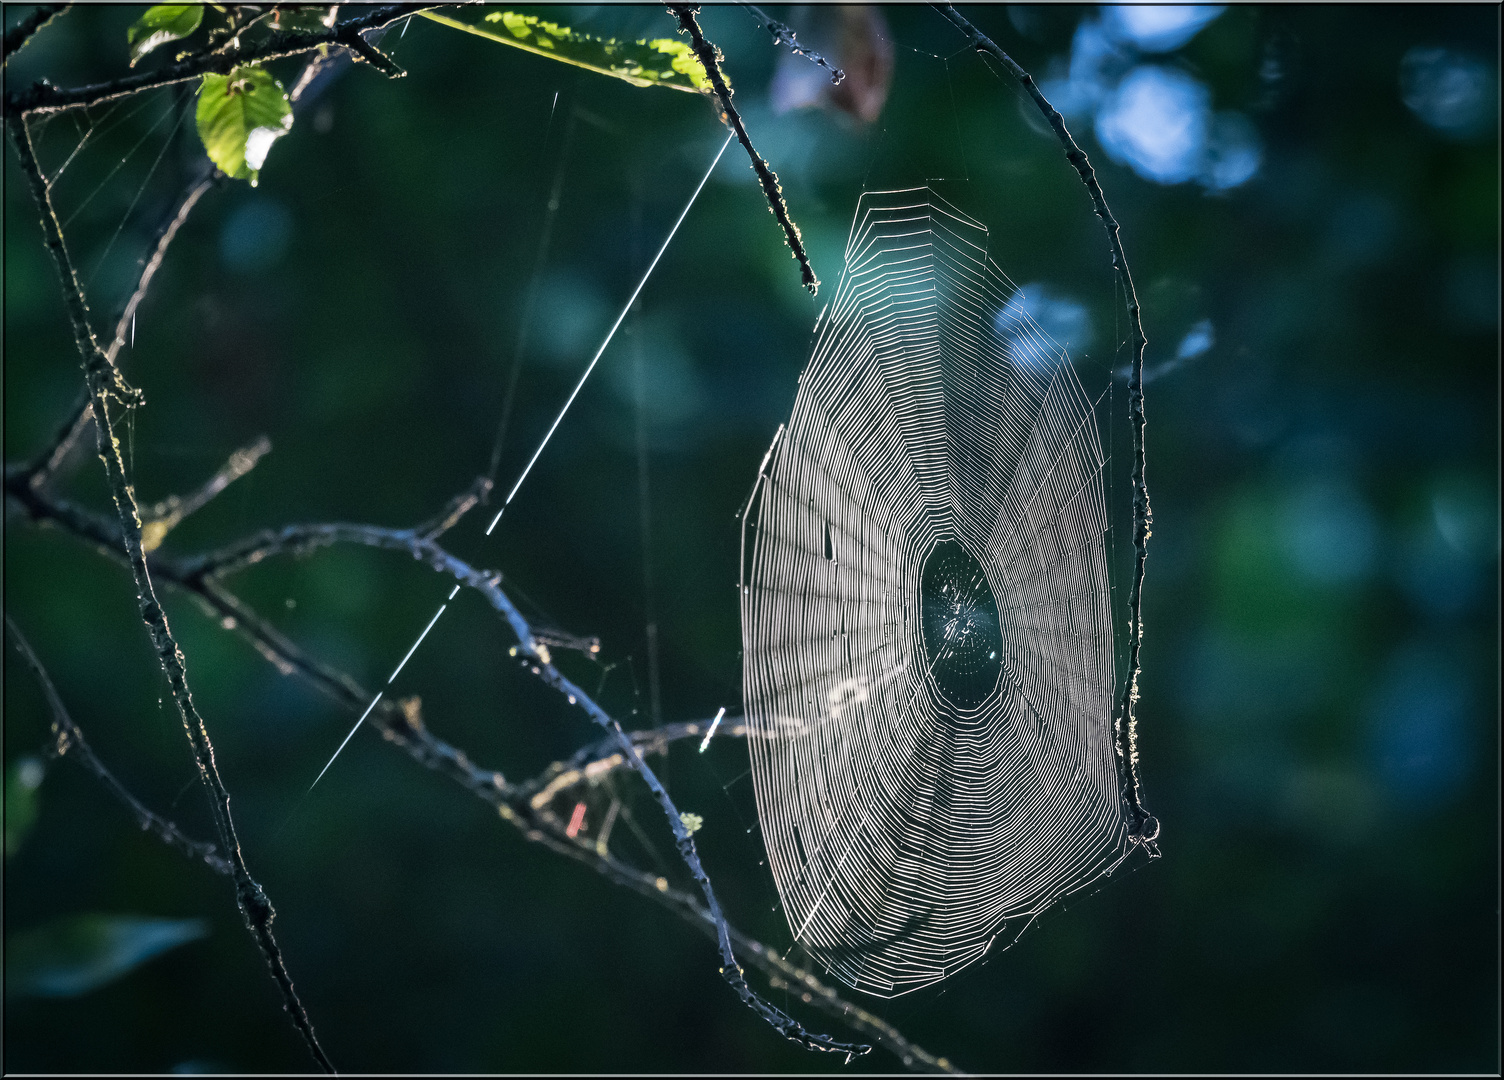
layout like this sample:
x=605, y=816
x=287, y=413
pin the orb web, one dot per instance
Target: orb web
x=929, y=664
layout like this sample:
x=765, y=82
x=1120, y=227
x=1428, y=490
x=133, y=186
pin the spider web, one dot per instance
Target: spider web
x=929, y=658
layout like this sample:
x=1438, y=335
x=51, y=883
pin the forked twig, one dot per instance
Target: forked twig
x=1144, y=826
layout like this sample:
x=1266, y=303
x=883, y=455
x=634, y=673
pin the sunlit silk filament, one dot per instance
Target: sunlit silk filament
x=389, y=680
x=609, y=335
x=538, y=452
x=713, y=725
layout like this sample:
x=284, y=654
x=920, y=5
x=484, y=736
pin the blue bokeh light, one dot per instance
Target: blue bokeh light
x=1154, y=118
x=1096, y=63
x=1455, y=94
x=1198, y=340
x=1156, y=122
x=1155, y=28
x=570, y=315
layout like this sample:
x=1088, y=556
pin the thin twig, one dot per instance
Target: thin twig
x=161, y=519
x=20, y=34
x=1143, y=826
x=455, y=510
x=709, y=57
x=104, y=381
x=352, y=40
x=68, y=739
x=599, y=758
x=784, y=35
x=45, y=98
x=46, y=464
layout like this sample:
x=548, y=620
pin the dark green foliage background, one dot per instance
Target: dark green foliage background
x=1307, y=914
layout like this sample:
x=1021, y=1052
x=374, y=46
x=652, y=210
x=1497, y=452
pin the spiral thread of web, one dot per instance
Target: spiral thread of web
x=929, y=659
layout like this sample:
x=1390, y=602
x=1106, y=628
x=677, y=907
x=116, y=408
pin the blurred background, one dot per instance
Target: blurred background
x=1310, y=206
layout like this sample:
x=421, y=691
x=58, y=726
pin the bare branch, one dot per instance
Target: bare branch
x=47, y=509
x=784, y=35
x=536, y=658
x=45, y=98
x=20, y=34
x=104, y=381
x=1144, y=827
x=731, y=971
x=67, y=739
x=709, y=56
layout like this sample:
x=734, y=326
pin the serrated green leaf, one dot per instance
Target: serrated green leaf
x=239, y=116
x=74, y=955
x=659, y=62
x=21, y=805
x=161, y=24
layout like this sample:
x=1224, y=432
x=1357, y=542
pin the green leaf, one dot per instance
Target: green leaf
x=161, y=24
x=239, y=116
x=21, y=784
x=80, y=953
x=660, y=62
